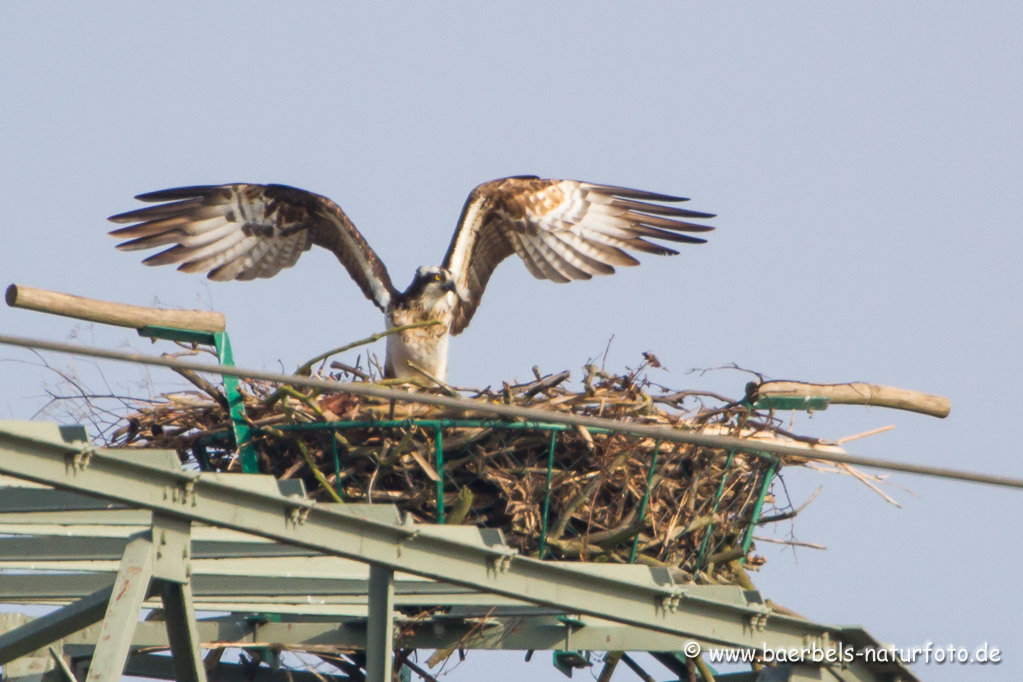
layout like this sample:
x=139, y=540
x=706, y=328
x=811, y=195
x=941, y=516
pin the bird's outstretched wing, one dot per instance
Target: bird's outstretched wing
x=245, y=231
x=562, y=230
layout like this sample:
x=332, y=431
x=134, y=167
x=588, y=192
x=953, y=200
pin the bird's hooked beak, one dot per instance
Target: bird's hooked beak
x=453, y=288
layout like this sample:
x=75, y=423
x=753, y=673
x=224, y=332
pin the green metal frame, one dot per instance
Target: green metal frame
x=438, y=425
x=438, y=451
x=765, y=486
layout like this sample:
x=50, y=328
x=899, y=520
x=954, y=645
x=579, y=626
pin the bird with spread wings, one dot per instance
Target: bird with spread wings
x=561, y=229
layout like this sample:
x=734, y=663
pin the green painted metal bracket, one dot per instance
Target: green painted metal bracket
x=175, y=334
x=439, y=457
x=547, y=494
x=242, y=432
x=567, y=661
x=747, y=537
x=792, y=402
x=235, y=406
x=263, y=653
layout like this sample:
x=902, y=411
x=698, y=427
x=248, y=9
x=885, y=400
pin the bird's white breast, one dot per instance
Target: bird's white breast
x=425, y=347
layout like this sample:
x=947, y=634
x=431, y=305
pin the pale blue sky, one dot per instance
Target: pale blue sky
x=864, y=160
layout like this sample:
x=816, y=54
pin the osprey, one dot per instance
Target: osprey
x=561, y=229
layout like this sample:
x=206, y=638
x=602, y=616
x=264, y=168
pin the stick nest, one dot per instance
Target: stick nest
x=607, y=500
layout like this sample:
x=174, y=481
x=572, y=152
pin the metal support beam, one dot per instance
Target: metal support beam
x=380, y=628
x=172, y=537
x=566, y=587
x=643, y=605
x=130, y=589
x=182, y=632
x=152, y=666
x=45, y=629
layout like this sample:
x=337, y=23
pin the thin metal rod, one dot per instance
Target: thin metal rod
x=337, y=466
x=438, y=451
x=714, y=510
x=754, y=519
x=547, y=493
x=236, y=407
x=645, y=500
x=514, y=412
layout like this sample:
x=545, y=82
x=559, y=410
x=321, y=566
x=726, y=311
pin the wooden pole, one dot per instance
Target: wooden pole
x=94, y=310
x=858, y=393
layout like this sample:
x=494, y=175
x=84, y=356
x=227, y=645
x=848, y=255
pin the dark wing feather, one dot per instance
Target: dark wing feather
x=245, y=231
x=562, y=230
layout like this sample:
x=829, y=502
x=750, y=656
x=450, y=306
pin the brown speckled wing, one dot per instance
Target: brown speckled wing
x=247, y=231
x=562, y=229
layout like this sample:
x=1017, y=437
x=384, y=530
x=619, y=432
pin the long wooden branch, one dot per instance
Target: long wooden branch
x=858, y=393
x=120, y=314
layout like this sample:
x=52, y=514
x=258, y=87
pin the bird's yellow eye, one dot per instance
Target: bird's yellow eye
x=436, y=278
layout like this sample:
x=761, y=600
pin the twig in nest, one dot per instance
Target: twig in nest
x=306, y=367
x=864, y=478
x=203, y=385
x=198, y=381
x=794, y=543
x=764, y=520
x=443, y=386
x=297, y=395
x=354, y=371
x=731, y=365
x=307, y=456
x=546, y=383
x=857, y=436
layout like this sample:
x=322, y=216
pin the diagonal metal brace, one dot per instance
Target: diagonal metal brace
x=182, y=632
x=60, y=623
x=130, y=589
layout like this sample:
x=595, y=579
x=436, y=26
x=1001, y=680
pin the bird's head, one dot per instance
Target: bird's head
x=432, y=284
